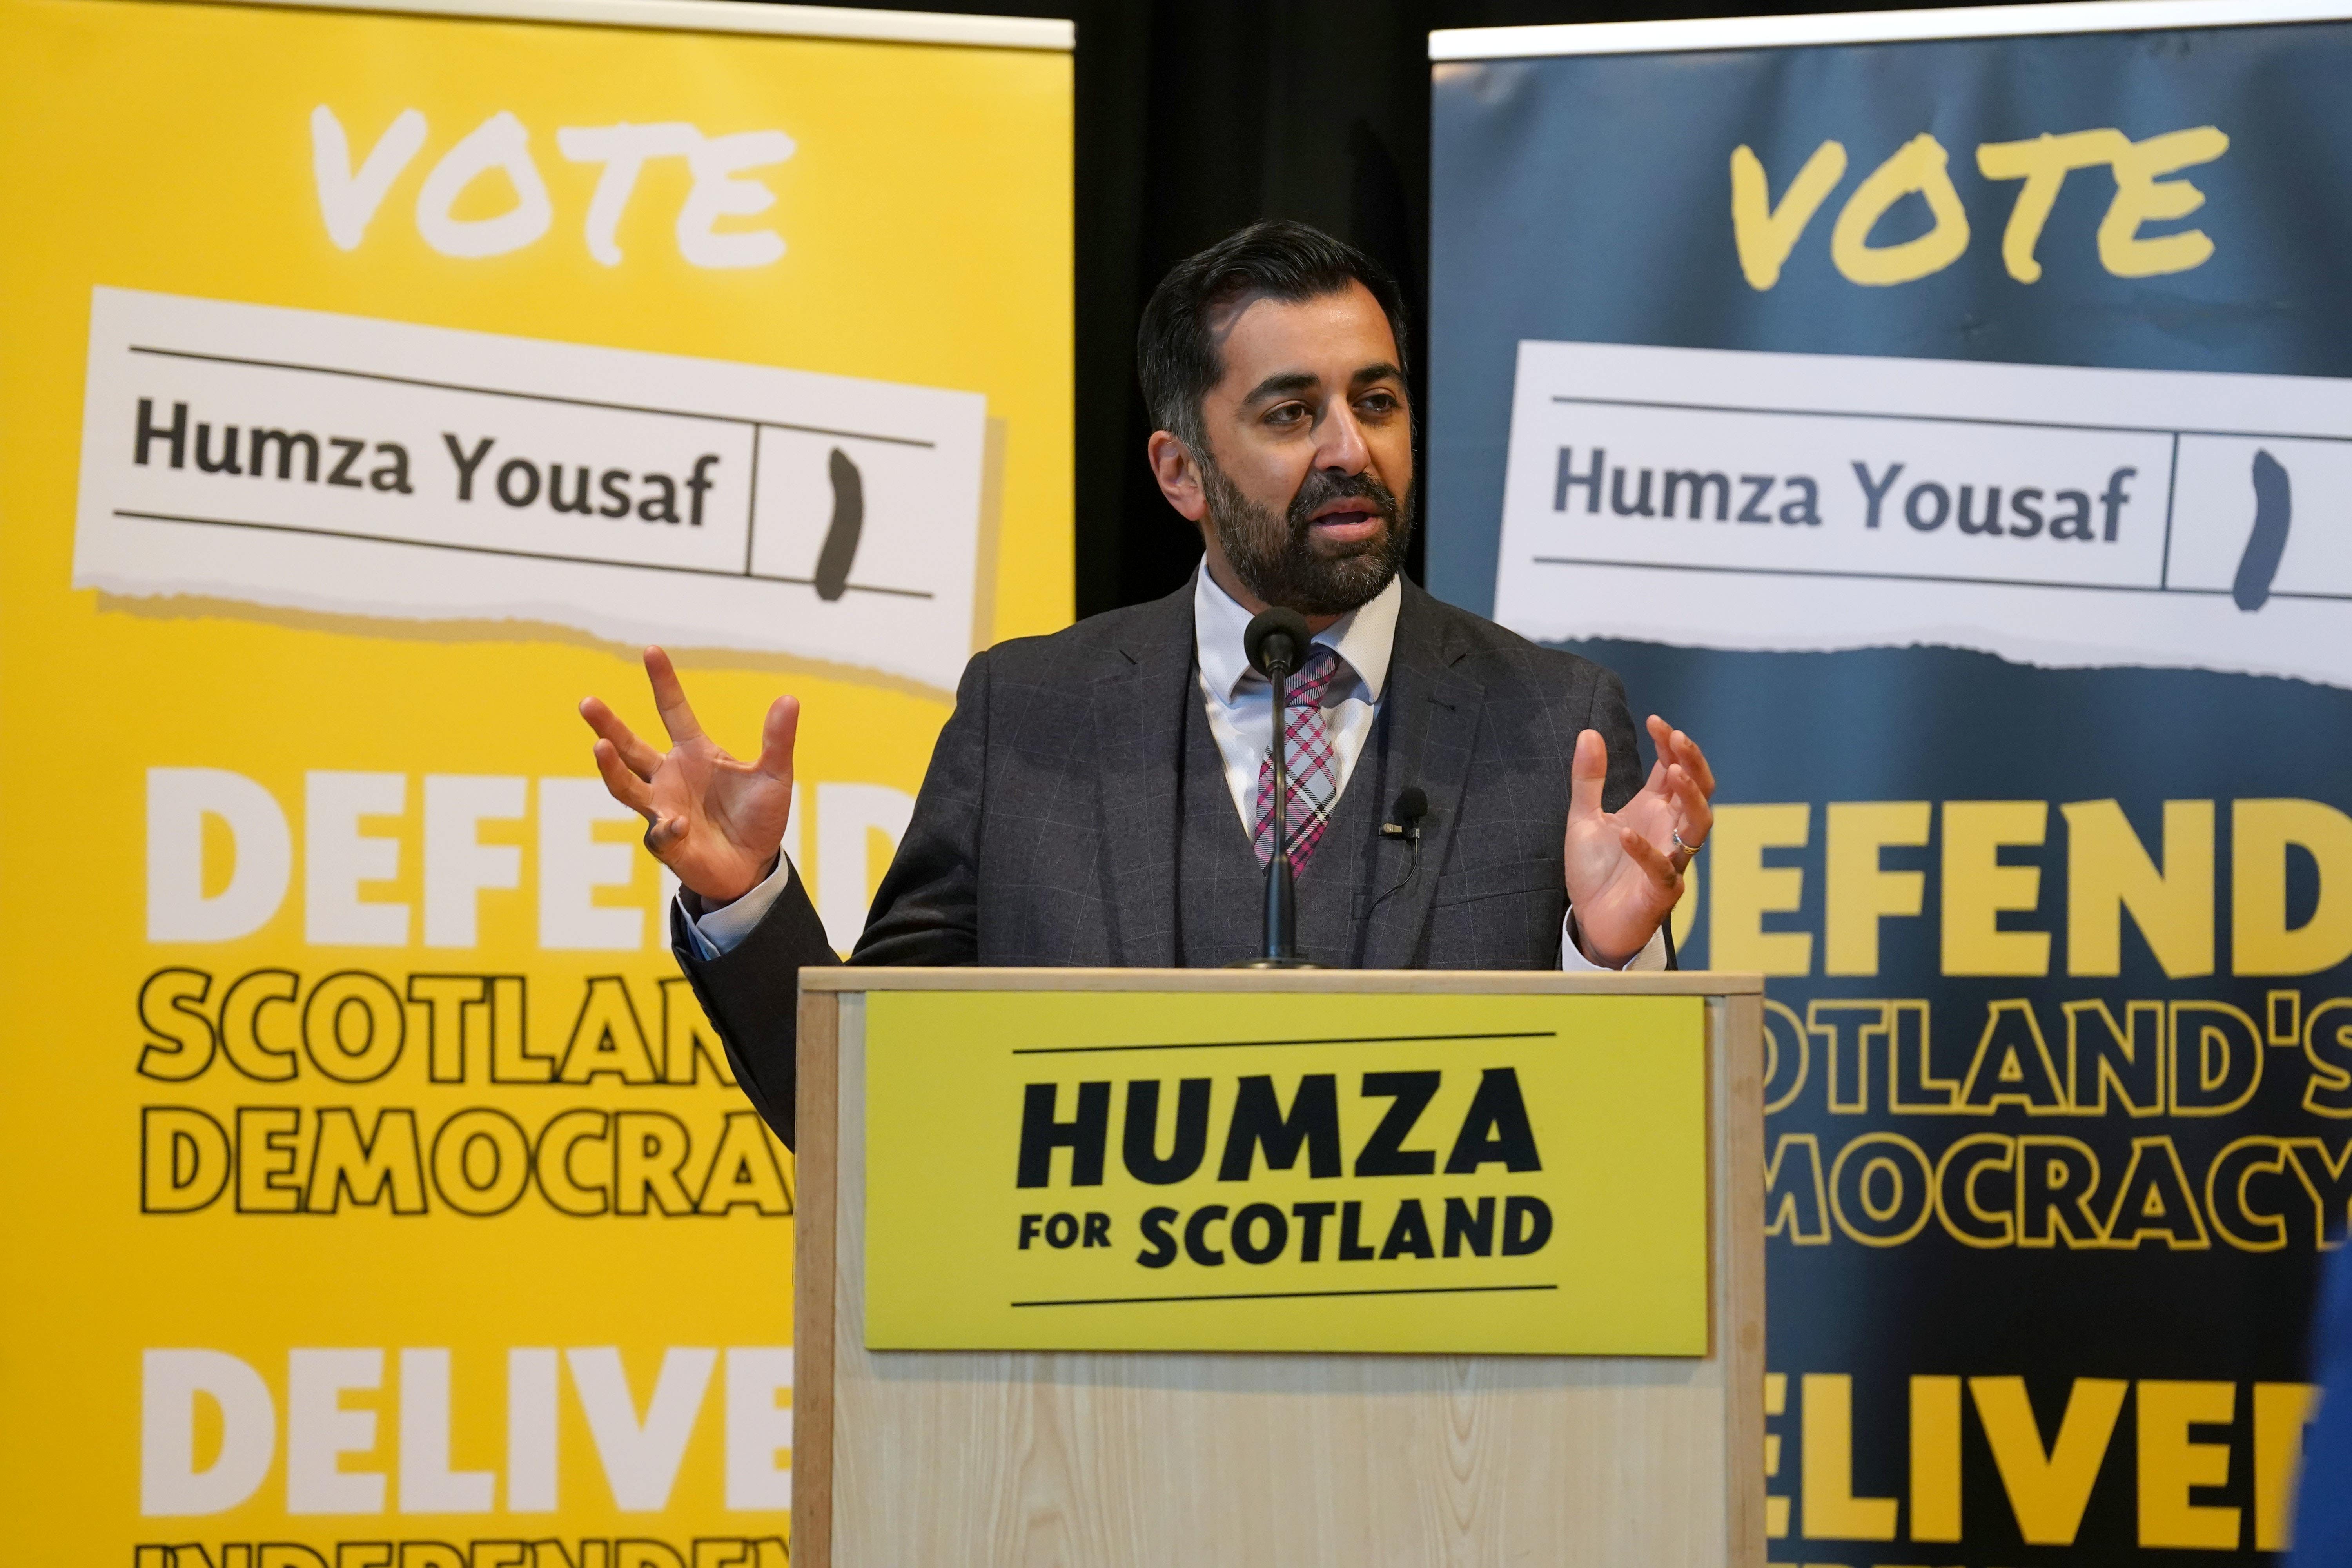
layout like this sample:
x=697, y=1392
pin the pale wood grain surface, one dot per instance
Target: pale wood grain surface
x=945, y=1459
x=1737, y=1052
x=814, y=1229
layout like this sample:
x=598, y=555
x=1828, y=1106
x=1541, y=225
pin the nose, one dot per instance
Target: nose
x=1340, y=443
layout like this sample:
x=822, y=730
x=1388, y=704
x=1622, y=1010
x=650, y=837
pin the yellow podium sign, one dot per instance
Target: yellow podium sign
x=1191, y=1171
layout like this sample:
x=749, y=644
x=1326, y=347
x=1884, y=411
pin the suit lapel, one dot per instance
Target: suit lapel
x=1433, y=710
x=1138, y=728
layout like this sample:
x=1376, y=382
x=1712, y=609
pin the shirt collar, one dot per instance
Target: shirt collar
x=1365, y=637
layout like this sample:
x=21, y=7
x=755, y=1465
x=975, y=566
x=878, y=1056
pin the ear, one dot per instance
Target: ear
x=1179, y=475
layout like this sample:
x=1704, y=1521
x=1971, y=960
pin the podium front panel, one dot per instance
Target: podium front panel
x=1456, y=1142
x=1214, y=1170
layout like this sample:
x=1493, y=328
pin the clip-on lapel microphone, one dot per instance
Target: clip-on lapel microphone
x=1411, y=808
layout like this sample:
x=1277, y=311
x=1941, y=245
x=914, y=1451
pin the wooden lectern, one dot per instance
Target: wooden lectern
x=1035, y=1186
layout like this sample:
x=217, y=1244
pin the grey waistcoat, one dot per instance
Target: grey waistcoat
x=1221, y=887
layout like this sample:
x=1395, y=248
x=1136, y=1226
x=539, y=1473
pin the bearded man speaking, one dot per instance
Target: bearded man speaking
x=1103, y=796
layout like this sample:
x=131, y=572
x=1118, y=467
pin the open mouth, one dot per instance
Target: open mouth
x=1348, y=523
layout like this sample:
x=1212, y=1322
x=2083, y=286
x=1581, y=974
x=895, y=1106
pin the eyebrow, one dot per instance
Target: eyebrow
x=1281, y=385
x=1288, y=381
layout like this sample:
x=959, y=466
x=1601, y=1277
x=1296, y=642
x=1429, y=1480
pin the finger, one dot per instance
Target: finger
x=1698, y=816
x=665, y=832
x=1586, y=774
x=1653, y=863
x=640, y=758
x=1665, y=737
x=1702, y=820
x=625, y=786
x=776, y=736
x=669, y=697
x=1687, y=754
x=1656, y=783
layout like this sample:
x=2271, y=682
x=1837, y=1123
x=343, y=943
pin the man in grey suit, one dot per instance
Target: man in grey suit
x=1103, y=796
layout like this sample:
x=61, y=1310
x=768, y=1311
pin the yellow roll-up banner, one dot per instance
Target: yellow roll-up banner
x=371, y=386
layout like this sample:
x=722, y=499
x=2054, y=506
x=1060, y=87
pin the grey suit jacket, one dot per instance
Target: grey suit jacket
x=1045, y=831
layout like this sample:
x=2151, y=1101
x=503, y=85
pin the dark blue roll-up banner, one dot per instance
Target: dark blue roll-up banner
x=1947, y=416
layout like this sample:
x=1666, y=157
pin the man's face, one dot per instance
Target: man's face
x=1305, y=494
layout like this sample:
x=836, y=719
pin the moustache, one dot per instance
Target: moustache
x=1320, y=489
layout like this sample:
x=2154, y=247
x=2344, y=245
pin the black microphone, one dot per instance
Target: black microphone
x=1275, y=640
x=1411, y=808
x=1276, y=636
x=1412, y=805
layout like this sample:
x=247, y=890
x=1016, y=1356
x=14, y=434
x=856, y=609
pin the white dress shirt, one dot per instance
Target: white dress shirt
x=1240, y=705
x=1240, y=700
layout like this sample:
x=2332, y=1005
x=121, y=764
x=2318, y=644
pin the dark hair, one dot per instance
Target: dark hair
x=1176, y=356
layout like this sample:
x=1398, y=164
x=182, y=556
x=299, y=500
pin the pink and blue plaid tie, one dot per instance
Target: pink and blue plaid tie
x=1314, y=781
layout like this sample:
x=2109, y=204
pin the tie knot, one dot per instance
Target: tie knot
x=1314, y=676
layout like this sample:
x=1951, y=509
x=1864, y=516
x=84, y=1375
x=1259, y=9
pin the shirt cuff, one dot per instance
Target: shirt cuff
x=720, y=931
x=1571, y=957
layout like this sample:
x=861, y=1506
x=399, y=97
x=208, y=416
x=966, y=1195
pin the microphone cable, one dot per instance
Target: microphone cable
x=1410, y=808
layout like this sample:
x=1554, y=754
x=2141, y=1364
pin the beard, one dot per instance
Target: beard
x=1277, y=556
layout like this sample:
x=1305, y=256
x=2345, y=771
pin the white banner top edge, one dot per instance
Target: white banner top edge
x=1871, y=28
x=734, y=17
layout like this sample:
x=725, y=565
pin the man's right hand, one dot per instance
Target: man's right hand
x=718, y=823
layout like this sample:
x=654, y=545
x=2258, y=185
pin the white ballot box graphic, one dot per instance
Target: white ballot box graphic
x=2049, y=514
x=347, y=466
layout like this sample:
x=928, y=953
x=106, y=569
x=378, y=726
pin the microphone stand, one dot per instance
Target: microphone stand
x=1274, y=642
x=1281, y=897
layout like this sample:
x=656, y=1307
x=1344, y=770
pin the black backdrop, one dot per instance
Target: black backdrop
x=1195, y=117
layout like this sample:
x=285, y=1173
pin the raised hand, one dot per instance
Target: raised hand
x=1625, y=867
x=715, y=823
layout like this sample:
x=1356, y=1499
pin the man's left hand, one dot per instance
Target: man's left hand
x=1625, y=867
